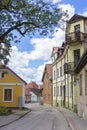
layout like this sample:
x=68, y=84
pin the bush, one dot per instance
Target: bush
x=4, y=110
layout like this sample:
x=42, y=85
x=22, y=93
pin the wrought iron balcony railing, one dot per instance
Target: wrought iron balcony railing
x=75, y=37
x=69, y=67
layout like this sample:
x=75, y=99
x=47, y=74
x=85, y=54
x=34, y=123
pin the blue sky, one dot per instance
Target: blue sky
x=29, y=57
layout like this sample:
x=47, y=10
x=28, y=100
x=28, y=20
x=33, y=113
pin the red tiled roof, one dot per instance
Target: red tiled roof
x=32, y=84
x=48, y=70
x=58, y=50
x=41, y=86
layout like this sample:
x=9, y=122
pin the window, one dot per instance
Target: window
x=57, y=91
x=86, y=82
x=7, y=94
x=54, y=74
x=80, y=89
x=77, y=32
x=60, y=71
x=77, y=28
x=2, y=75
x=57, y=73
x=71, y=87
x=63, y=70
x=56, y=56
x=76, y=56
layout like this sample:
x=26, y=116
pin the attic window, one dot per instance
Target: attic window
x=2, y=75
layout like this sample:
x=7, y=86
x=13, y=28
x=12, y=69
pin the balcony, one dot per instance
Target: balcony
x=69, y=68
x=75, y=37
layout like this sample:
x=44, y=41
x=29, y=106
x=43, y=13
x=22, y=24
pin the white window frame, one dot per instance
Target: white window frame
x=4, y=93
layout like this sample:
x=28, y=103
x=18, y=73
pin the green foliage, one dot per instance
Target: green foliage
x=4, y=111
x=26, y=17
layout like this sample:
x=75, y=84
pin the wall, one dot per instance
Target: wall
x=11, y=81
x=82, y=100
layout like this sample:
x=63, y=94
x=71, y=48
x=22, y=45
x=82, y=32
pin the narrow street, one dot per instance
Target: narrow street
x=40, y=118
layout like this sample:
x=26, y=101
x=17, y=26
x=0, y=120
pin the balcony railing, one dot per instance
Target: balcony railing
x=69, y=67
x=75, y=37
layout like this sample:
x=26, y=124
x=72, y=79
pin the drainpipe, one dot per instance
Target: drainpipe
x=72, y=88
x=67, y=77
x=56, y=85
x=61, y=86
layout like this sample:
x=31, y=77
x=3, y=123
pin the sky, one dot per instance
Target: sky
x=29, y=56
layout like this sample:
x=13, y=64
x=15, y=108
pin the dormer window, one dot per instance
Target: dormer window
x=55, y=56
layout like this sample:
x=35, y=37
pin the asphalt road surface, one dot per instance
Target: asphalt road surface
x=40, y=118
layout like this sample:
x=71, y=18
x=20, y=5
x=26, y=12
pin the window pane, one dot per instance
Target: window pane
x=76, y=56
x=60, y=71
x=7, y=94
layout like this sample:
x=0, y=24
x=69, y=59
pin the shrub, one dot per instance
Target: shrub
x=4, y=110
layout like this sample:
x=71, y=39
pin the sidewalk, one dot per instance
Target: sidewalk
x=17, y=114
x=75, y=122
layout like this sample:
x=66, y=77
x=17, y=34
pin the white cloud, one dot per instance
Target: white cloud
x=19, y=61
x=39, y=72
x=42, y=49
x=25, y=73
x=84, y=13
x=67, y=8
x=21, y=57
x=56, y=1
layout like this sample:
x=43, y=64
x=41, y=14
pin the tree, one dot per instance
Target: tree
x=26, y=17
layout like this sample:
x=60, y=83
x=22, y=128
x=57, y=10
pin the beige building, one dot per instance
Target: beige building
x=64, y=62
x=81, y=70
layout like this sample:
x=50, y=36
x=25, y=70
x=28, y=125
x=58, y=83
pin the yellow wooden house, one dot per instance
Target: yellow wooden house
x=12, y=88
